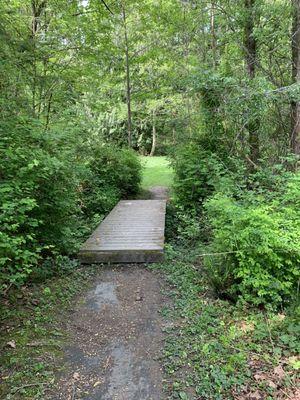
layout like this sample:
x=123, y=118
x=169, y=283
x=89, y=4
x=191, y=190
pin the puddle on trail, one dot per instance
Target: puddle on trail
x=90, y=363
x=104, y=294
x=128, y=378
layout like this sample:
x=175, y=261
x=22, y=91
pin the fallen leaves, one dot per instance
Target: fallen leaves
x=11, y=344
x=269, y=378
x=246, y=326
x=279, y=371
x=76, y=376
x=265, y=378
x=259, y=377
x=255, y=395
x=272, y=385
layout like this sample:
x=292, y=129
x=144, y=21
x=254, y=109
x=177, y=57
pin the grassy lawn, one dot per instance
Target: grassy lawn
x=157, y=172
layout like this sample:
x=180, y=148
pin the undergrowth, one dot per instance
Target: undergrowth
x=32, y=335
x=219, y=350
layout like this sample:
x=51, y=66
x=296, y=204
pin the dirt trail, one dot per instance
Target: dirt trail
x=159, y=193
x=116, y=337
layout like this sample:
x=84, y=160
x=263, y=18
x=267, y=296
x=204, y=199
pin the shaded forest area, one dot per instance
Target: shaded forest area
x=214, y=85
x=89, y=86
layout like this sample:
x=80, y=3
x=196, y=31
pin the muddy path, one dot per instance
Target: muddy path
x=115, y=338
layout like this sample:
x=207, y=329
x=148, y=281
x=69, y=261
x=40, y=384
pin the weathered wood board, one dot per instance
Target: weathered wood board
x=133, y=232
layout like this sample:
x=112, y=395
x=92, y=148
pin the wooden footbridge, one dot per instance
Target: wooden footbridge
x=132, y=233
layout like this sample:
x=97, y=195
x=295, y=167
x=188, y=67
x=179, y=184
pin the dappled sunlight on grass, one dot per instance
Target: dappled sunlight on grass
x=157, y=172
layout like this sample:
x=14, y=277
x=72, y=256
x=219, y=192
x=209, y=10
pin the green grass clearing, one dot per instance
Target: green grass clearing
x=157, y=172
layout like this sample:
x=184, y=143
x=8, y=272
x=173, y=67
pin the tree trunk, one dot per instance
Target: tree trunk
x=295, y=105
x=251, y=62
x=48, y=112
x=37, y=8
x=128, y=84
x=213, y=34
x=186, y=66
x=153, y=136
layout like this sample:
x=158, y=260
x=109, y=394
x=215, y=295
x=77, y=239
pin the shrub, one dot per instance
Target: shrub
x=197, y=173
x=47, y=191
x=38, y=201
x=183, y=228
x=19, y=250
x=113, y=173
x=256, y=245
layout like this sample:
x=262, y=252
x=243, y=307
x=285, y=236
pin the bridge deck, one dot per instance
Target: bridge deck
x=132, y=233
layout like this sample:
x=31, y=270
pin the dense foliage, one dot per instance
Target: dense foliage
x=213, y=83
x=226, y=347
x=113, y=174
x=256, y=245
x=247, y=225
x=59, y=176
x=197, y=172
x=52, y=194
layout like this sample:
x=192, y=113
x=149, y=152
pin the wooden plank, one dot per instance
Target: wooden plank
x=132, y=233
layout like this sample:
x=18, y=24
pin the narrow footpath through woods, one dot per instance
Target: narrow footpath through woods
x=116, y=336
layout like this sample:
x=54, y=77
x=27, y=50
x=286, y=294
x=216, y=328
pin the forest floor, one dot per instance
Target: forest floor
x=103, y=343
x=116, y=335
x=115, y=338
x=143, y=333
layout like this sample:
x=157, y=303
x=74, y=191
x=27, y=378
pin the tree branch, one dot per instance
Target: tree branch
x=106, y=6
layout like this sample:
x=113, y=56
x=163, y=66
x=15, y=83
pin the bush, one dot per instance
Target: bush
x=48, y=188
x=183, y=228
x=19, y=249
x=197, y=173
x=256, y=245
x=39, y=201
x=113, y=173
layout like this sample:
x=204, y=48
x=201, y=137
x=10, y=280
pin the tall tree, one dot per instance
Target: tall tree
x=127, y=70
x=213, y=33
x=295, y=105
x=251, y=64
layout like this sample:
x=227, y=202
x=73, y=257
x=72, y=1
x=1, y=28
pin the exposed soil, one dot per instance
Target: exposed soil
x=116, y=338
x=159, y=193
